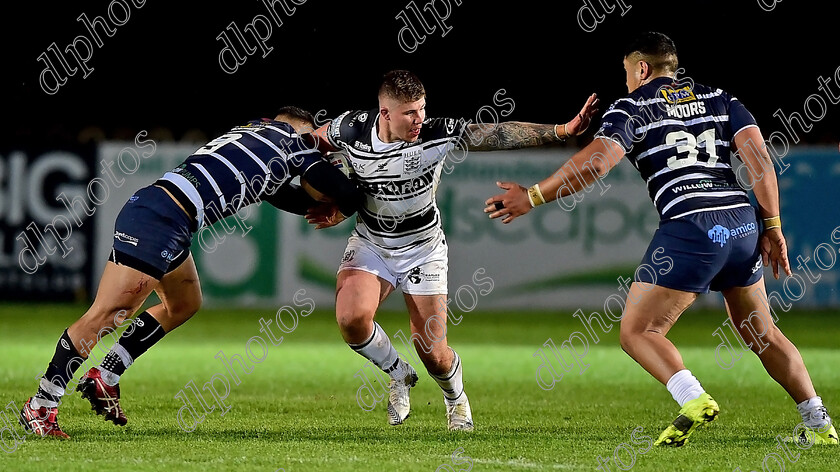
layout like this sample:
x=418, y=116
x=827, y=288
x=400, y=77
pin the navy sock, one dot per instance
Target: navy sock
x=63, y=365
x=144, y=333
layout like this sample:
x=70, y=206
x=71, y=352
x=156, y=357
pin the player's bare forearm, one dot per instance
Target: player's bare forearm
x=766, y=189
x=582, y=170
x=508, y=135
x=590, y=163
x=750, y=148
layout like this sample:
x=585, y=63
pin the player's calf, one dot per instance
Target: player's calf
x=451, y=382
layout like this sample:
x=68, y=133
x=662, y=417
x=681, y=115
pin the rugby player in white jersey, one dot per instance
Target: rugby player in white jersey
x=398, y=242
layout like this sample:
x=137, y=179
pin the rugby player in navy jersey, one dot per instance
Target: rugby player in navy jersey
x=398, y=240
x=152, y=234
x=679, y=136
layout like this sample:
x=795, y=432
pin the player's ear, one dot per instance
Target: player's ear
x=644, y=70
x=383, y=111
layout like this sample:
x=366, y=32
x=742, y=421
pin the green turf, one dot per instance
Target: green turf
x=297, y=409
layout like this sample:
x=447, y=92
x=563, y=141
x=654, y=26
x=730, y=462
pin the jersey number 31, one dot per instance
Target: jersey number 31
x=688, y=143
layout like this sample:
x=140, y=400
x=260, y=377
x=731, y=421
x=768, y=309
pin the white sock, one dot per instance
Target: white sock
x=51, y=388
x=684, y=387
x=813, y=413
x=109, y=377
x=379, y=350
x=452, y=382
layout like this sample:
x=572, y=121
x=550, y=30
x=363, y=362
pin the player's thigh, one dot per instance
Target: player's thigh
x=180, y=295
x=653, y=308
x=750, y=313
x=359, y=293
x=365, y=279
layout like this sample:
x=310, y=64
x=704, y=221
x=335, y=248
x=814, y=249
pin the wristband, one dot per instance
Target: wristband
x=558, y=136
x=535, y=196
x=772, y=222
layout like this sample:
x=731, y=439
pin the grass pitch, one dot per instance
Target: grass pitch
x=297, y=410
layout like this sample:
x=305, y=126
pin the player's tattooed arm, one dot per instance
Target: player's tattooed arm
x=519, y=134
x=508, y=135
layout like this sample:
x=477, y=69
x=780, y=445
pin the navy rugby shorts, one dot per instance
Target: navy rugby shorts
x=152, y=233
x=712, y=250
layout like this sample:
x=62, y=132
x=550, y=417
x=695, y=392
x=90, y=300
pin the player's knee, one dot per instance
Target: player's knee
x=437, y=361
x=101, y=316
x=626, y=341
x=759, y=341
x=626, y=334
x=185, y=309
x=353, y=324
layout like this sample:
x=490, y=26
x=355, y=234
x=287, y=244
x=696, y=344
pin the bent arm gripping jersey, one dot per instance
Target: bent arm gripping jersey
x=398, y=179
x=240, y=167
x=679, y=138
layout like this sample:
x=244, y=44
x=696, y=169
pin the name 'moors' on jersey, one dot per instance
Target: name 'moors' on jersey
x=239, y=168
x=399, y=179
x=679, y=137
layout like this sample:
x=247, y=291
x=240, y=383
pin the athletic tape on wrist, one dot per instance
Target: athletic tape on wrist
x=535, y=196
x=772, y=222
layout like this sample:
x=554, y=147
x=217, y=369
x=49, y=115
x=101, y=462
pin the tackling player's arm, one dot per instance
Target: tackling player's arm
x=766, y=190
x=519, y=134
x=581, y=170
x=291, y=198
x=324, y=182
x=319, y=179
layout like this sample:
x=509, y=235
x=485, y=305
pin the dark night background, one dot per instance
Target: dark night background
x=161, y=68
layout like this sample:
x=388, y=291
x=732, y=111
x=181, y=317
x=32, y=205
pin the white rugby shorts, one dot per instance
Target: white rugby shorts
x=416, y=270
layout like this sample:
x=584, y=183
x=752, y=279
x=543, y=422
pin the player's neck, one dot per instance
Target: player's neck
x=654, y=77
x=383, y=133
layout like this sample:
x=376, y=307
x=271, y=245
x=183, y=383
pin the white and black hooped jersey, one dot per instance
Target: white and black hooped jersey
x=398, y=179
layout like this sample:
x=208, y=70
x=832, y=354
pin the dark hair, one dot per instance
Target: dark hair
x=654, y=48
x=402, y=85
x=298, y=113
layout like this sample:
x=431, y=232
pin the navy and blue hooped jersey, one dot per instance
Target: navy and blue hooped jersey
x=241, y=167
x=679, y=137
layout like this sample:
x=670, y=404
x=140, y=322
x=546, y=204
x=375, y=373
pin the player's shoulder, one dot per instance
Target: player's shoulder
x=714, y=100
x=709, y=92
x=442, y=128
x=266, y=125
x=351, y=126
x=630, y=103
x=267, y=122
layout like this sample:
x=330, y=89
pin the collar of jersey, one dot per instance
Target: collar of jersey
x=381, y=146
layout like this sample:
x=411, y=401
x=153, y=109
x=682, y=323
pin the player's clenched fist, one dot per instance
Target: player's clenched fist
x=514, y=202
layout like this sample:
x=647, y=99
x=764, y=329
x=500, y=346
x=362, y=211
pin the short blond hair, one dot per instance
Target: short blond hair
x=401, y=85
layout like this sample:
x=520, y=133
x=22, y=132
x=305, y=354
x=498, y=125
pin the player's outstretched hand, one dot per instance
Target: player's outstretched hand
x=774, y=251
x=514, y=202
x=324, y=215
x=581, y=121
